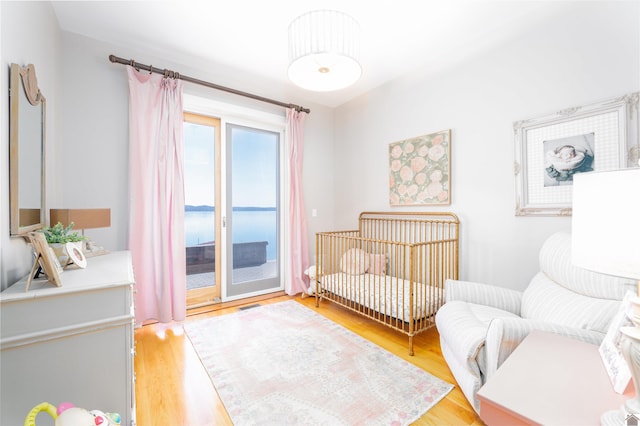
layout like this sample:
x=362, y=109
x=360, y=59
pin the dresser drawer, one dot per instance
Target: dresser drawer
x=102, y=292
x=24, y=316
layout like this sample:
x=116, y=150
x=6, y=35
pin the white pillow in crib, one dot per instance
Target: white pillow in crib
x=355, y=261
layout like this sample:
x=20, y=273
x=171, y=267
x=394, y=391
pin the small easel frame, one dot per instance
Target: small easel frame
x=45, y=259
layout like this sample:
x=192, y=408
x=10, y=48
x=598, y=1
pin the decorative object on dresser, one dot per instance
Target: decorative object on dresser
x=58, y=237
x=551, y=150
x=83, y=219
x=45, y=260
x=480, y=325
x=72, y=343
x=606, y=239
x=392, y=269
x=76, y=256
x=283, y=363
x=420, y=170
x=611, y=349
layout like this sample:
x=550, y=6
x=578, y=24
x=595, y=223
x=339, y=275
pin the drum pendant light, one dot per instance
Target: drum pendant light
x=323, y=51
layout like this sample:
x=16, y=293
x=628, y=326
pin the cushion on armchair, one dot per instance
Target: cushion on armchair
x=545, y=300
x=555, y=262
x=566, y=295
x=483, y=294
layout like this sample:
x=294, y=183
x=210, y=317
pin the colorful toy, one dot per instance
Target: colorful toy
x=105, y=419
x=75, y=416
x=30, y=420
x=66, y=414
x=311, y=273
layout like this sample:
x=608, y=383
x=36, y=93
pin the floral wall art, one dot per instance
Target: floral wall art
x=420, y=170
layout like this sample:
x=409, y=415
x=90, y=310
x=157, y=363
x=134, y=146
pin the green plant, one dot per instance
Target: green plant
x=59, y=234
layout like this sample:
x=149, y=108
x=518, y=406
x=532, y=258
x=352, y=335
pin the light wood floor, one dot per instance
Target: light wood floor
x=173, y=388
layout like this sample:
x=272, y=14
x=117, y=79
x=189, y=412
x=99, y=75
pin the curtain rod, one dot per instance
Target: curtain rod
x=173, y=74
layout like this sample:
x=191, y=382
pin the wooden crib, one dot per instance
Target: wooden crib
x=392, y=269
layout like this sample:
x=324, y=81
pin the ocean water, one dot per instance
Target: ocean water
x=248, y=226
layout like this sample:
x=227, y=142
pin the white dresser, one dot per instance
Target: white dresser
x=69, y=344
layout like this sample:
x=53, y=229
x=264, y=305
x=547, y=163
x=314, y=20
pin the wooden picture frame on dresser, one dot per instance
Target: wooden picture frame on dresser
x=44, y=258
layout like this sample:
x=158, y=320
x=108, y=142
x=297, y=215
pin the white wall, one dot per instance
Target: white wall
x=30, y=35
x=590, y=54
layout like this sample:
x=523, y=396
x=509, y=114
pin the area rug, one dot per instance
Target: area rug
x=284, y=364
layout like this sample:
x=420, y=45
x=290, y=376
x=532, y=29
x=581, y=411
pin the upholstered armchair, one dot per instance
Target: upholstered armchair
x=480, y=325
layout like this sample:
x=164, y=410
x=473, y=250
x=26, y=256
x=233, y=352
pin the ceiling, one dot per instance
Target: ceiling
x=250, y=36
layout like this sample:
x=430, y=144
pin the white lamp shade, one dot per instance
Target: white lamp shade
x=606, y=222
x=323, y=48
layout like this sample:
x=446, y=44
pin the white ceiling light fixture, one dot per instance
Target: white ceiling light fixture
x=323, y=51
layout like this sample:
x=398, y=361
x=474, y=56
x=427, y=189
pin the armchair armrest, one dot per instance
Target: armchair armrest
x=505, y=334
x=483, y=294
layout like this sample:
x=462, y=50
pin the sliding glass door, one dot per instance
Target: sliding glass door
x=232, y=210
x=253, y=210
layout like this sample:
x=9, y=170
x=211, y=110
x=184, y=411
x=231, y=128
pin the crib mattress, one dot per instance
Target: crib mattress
x=385, y=294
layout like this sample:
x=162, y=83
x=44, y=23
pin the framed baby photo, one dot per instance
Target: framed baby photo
x=550, y=150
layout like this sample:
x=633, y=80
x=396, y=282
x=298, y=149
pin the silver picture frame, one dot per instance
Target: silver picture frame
x=551, y=148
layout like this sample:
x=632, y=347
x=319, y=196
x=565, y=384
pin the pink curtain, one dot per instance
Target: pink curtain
x=298, y=243
x=156, y=190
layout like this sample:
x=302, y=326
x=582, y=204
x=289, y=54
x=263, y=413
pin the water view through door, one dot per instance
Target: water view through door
x=231, y=251
x=201, y=177
x=253, y=211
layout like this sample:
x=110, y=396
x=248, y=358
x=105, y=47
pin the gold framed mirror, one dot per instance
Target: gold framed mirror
x=26, y=151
